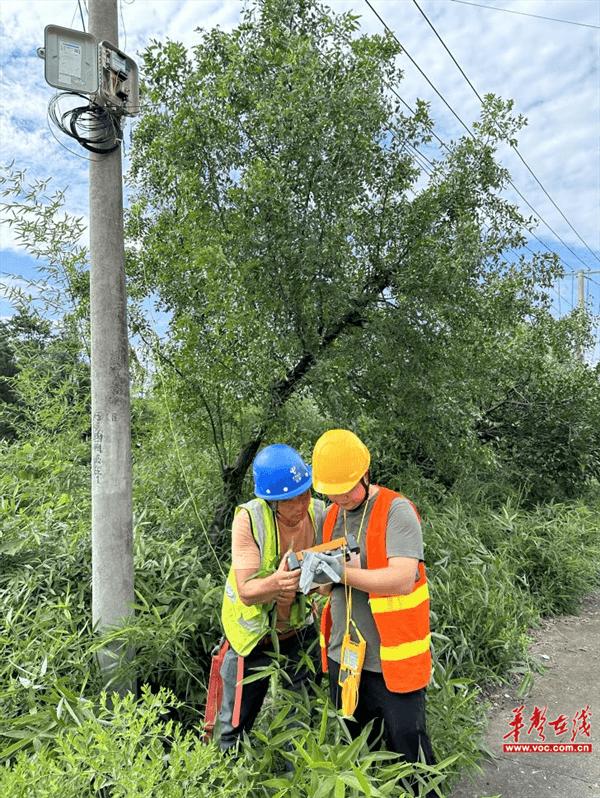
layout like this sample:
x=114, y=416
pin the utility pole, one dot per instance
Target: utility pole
x=112, y=534
x=581, y=290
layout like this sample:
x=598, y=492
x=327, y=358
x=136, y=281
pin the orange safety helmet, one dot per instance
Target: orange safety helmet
x=339, y=460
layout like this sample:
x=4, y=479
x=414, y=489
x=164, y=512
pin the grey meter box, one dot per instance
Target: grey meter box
x=118, y=80
x=71, y=59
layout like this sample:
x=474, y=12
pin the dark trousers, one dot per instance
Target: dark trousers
x=401, y=714
x=253, y=693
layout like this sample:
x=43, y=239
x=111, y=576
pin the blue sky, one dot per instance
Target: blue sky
x=550, y=70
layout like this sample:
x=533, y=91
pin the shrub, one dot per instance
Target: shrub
x=127, y=750
x=480, y=612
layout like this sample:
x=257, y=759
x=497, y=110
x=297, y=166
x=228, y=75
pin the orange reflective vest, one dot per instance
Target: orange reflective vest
x=401, y=620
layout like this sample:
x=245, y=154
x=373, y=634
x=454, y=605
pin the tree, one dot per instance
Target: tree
x=544, y=420
x=279, y=219
x=8, y=369
x=47, y=332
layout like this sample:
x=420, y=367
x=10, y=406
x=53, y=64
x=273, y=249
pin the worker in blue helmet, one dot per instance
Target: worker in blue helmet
x=261, y=593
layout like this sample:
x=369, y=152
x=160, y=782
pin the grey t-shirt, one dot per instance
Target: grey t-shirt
x=403, y=539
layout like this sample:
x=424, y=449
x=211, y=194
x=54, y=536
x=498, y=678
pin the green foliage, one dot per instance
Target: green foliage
x=49, y=385
x=125, y=749
x=276, y=217
x=310, y=281
x=541, y=419
x=178, y=497
x=323, y=761
x=480, y=611
x=176, y=621
x=456, y=718
x=42, y=227
x=133, y=748
x=487, y=585
x=8, y=369
x=493, y=572
x=554, y=552
x=548, y=432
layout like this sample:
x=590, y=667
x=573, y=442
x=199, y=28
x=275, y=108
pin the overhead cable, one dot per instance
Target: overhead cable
x=525, y=14
x=514, y=146
x=470, y=132
x=91, y=125
x=412, y=60
x=81, y=14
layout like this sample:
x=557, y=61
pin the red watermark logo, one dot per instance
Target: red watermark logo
x=568, y=730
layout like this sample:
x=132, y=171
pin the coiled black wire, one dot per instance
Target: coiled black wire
x=94, y=127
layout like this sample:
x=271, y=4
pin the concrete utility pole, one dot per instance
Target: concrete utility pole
x=581, y=289
x=112, y=536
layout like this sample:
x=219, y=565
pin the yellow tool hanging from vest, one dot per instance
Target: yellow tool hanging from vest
x=352, y=657
x=352, y=661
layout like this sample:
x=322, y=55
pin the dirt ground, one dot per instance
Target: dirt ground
x=569, y=649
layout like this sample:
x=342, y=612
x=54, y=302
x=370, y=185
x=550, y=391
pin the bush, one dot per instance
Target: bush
x=176, y=622
x=554, y=551
x=127, y=750
x=480, y=611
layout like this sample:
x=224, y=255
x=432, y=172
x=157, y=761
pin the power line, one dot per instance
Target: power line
x=470, y=132
x=443, y=43
x=560, y=296
x=429, y=172
x=123, y=25
x=409, y=56
x=81, y=14
x=525, y=14
x=514, y=147
x=417, y=151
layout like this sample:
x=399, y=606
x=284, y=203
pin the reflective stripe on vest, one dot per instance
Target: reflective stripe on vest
x=404, y=602
x=405, y=650
x=244, y=625
x=402, y=621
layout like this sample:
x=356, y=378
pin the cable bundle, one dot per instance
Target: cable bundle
x=94, y=127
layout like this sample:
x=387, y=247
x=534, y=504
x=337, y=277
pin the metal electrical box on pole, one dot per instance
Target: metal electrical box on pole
x=112, y=533
x=70, y=59
x=75, y=61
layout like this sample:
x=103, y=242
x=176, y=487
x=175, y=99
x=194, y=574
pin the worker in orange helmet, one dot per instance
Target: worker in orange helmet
x=375, y=638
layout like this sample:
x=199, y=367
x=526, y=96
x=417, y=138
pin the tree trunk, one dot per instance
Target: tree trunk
x=233, y=476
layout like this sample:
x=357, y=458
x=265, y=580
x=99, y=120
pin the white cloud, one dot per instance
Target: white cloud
x=12, y=284
x=549, y=69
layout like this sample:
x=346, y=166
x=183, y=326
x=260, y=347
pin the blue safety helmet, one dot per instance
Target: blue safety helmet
x=280, y=473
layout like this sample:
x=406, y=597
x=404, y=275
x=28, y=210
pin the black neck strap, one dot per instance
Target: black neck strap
x=365, y=483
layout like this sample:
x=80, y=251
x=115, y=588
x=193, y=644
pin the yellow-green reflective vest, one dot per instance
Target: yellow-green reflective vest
x=245, y=625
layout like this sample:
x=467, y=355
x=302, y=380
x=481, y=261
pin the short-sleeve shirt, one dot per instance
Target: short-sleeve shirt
x=245, y=553
x=403, y=539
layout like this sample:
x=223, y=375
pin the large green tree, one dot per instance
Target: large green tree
x=281, y=219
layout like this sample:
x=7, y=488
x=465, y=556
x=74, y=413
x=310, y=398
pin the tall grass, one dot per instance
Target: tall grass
x=492, y=572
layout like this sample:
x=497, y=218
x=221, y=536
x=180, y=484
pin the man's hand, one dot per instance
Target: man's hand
x=321, y=568
x=285, y=583
x=280, y=586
